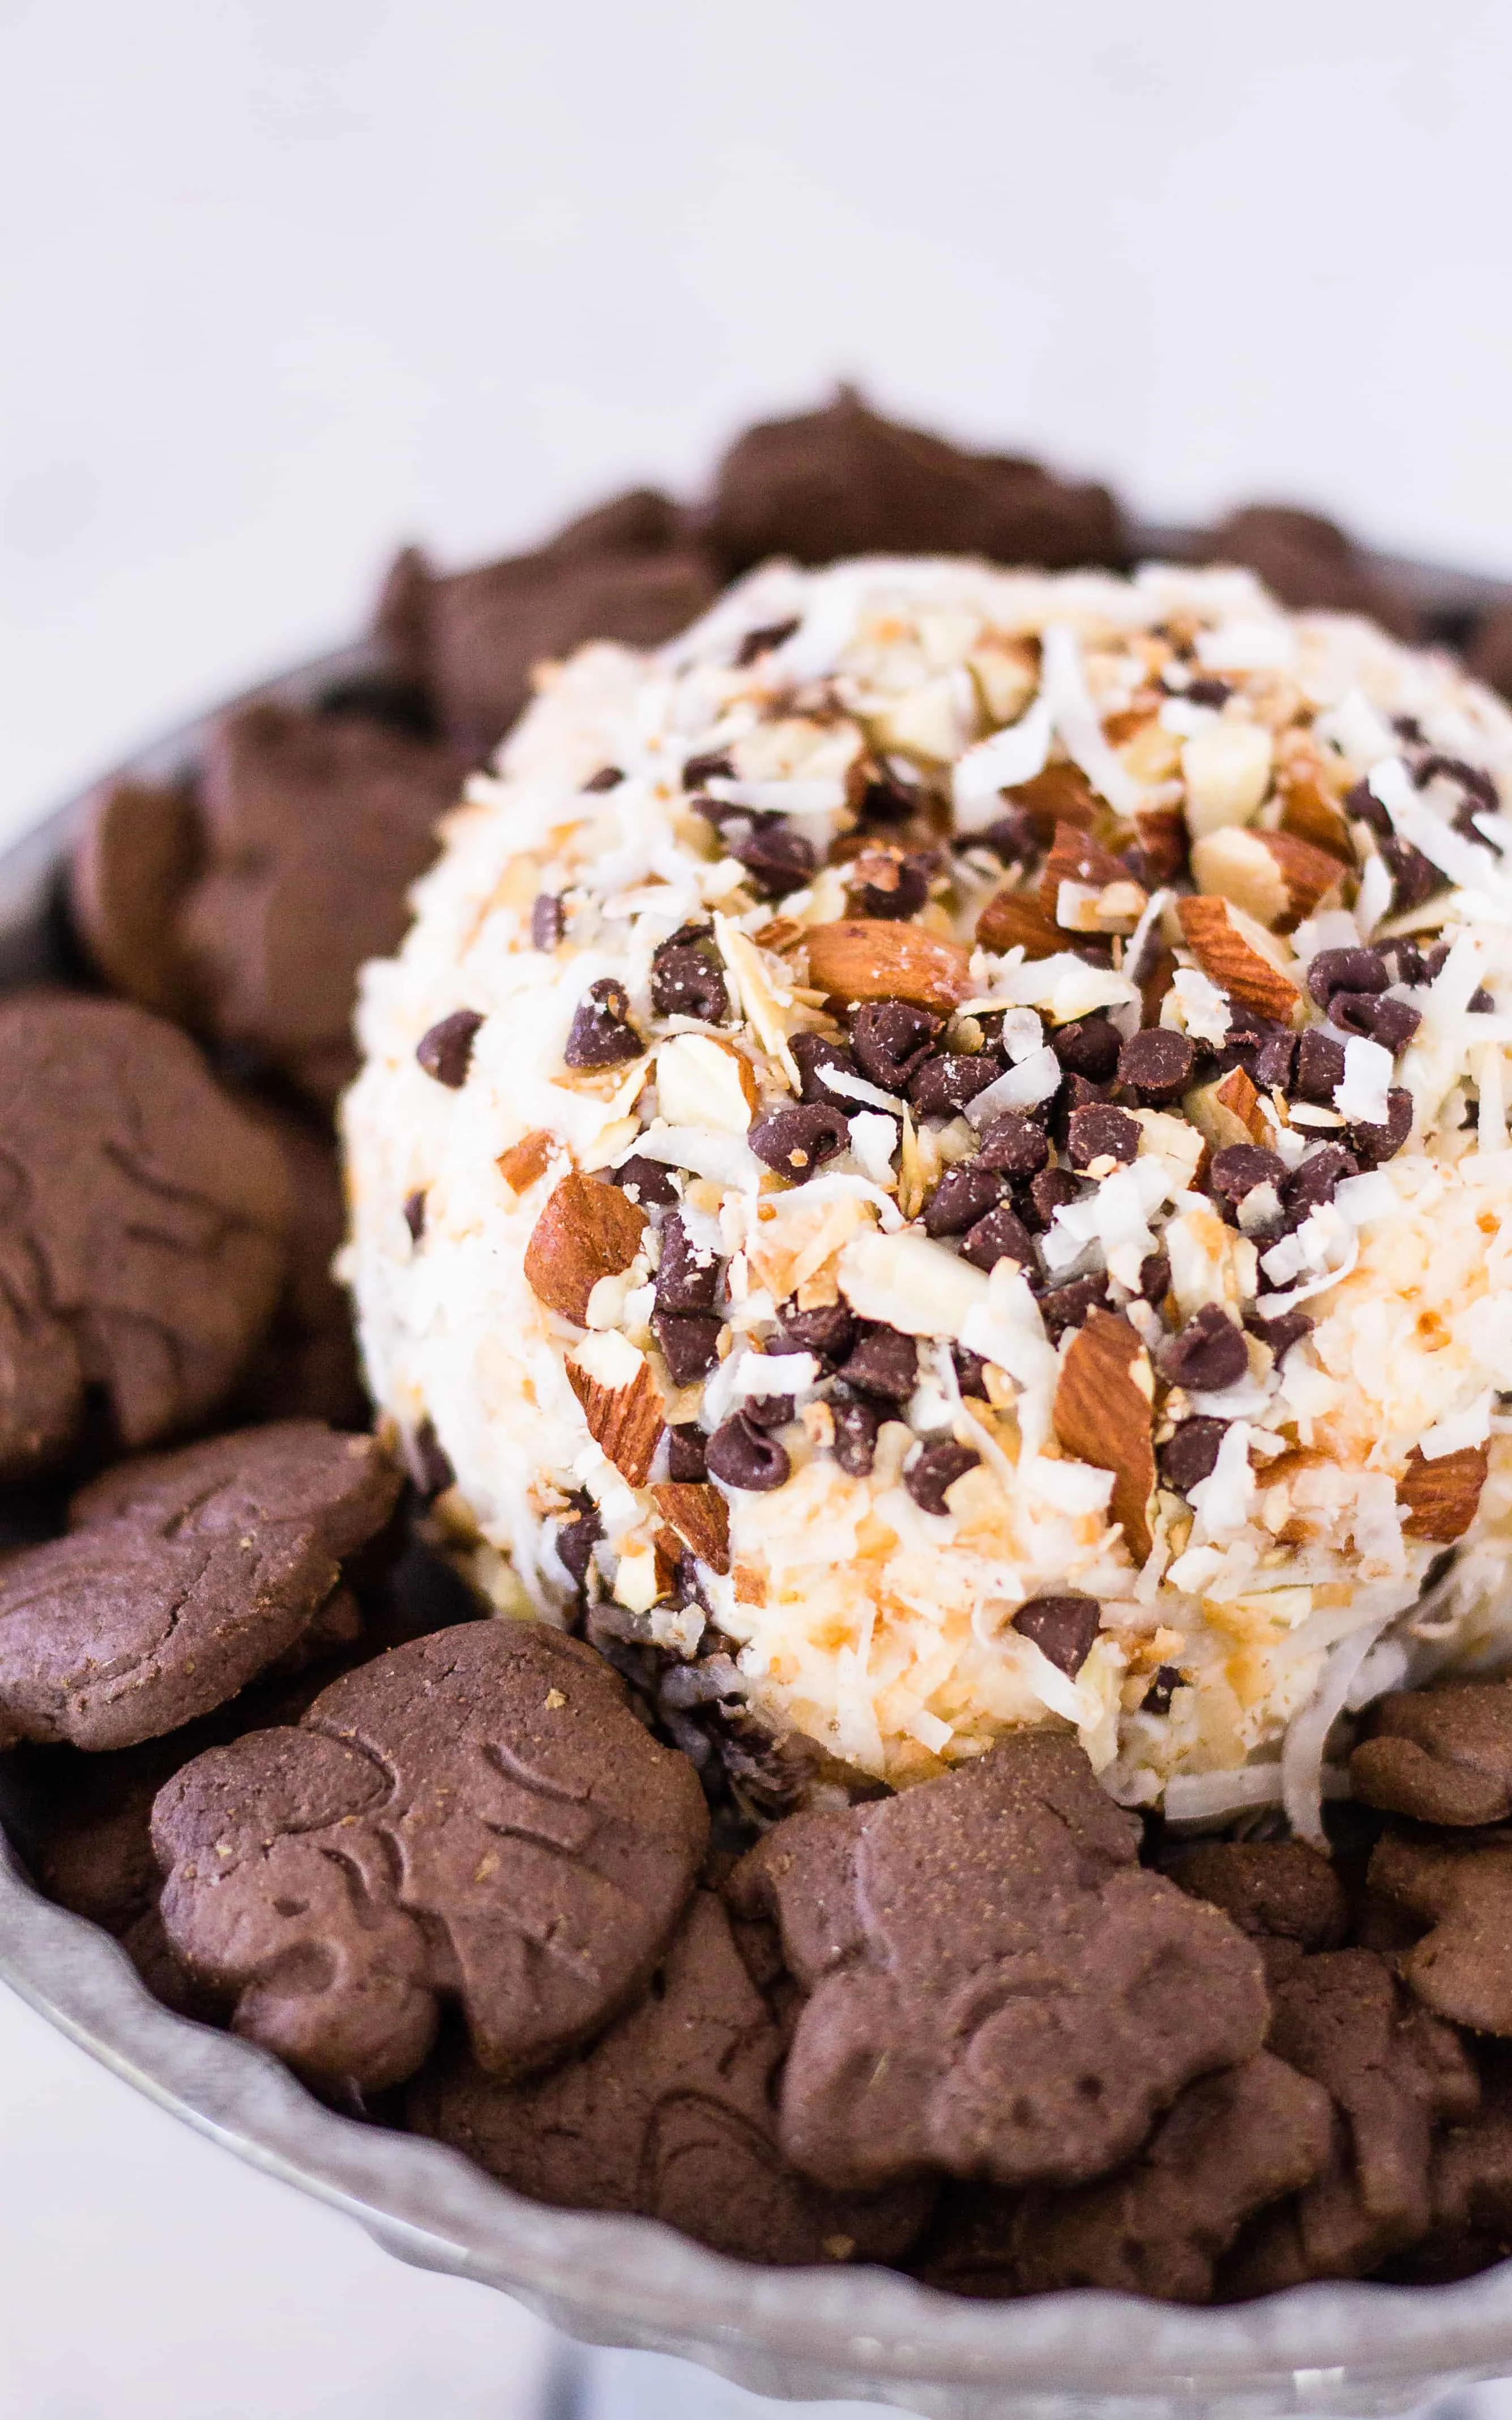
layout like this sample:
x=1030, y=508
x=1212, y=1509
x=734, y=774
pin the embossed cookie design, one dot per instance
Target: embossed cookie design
x=476, y=1817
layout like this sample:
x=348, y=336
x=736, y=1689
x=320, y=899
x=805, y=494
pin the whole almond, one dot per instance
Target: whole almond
x=867, y=958
x=1442, y=1497
x=1104, y=1398
x=700, y=1517
x=587, y=1231
x=1239, y=955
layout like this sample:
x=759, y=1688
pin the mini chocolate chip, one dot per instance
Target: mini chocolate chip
x=890, y=1039
x=1048, y=1192
x=1481, y=1003
x=1157, y=1064
x=891, y=902
x=1191, y=1454
x=828, y=1333
x=689, y=1342
x=646, y=1181
x=760, y=642
x=970, y=1370
x=1283, y=1333
x=1077, y=1093
x=1240, y=1167
x=1155, y=1276
x=1334, y=970
x=1012, y=838
x=602, y=1033
x=1101, y=1132
x=1272, y=1063
x=1373, y=1144
x=1377, y=1017
x=714, y=766
x=935, y=1467
x=776, y=858
x=886, y=801
x=445, y=1051
x=947, y=1081
x=1067, y=1306
x=579, y=1532
x=882, y=1361
x=814, y=1051
x=414, y=1214
x=608, y=777
x=1014, y=1146
x=796, y=1141
x=768, y=1411
x=1319, y=1067
x=1206, y=691
x=1414, y=877
x=1062, y=1628
x=1162, y=1688
x=964, y=1194
x=1362, y=804
x=1087, y=1047
x=745, y=1457
x=432, y=1470
x=686, y=982
x=856, y=1423
x=1482, y=789
x=549, y=920
x=686, y=1454
x=1206, y=1356
x=1001, y=1235
x=1315, y=1180
x=687, y=1278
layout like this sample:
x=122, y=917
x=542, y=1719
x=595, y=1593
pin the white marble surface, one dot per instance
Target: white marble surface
x=282, y=284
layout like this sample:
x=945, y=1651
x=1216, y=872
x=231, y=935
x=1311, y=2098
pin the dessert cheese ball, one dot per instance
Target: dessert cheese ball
x=935, y=1158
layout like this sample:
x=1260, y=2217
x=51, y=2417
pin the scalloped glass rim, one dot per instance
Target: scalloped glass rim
x=799, y=2334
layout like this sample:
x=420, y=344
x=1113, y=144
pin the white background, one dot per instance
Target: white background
x=285, y=281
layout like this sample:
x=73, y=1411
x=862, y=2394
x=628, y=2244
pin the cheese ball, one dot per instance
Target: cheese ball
x=936, y=1154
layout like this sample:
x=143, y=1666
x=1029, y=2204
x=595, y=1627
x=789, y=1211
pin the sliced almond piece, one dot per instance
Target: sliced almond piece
x=1228, y=1111
x=1241, y=956
x=910, y=1282
x=1275, y=876
x=1014, y=920
x=869, y=958
x=587, y=1231
x=704, y=1082
x=700, y=1517
x=621, y=1403
x=1226, y=768
x=1105, y=1399
x=525, y=1160
x=1442, y=1497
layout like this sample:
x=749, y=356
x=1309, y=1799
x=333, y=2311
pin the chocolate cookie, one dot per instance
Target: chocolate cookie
x=1393, y=2072
x=669, y=2114
x=1443, y=1756
x=143, y=1217
x=1285, y=1896
x=307, y=1367
x=996, y=1988
x=1307, y=562
x=1462, y=1891
x=183, y=1577
x=1490, y=656
x=1232, y=2144
x=846, y=481
x=475, y=1817
x=135, y=857
x=629, y=571
x=313, y=827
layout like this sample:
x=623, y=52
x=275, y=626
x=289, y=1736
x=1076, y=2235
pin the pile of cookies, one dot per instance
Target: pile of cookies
x=457, y=1872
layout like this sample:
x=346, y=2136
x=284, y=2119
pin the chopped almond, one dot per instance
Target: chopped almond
x=1228, y=1111
x=587, y=1231
x=1014, y=920
x=700, y=1517
x=525, y=1160
x=1275, y=876
x=1442, y=1497
x=1226, y=768
x=1240, y=957
x=870, y=958
x=621, y=1403
x=702, y=1081
x=1060, y=795
x=1104, y=1398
